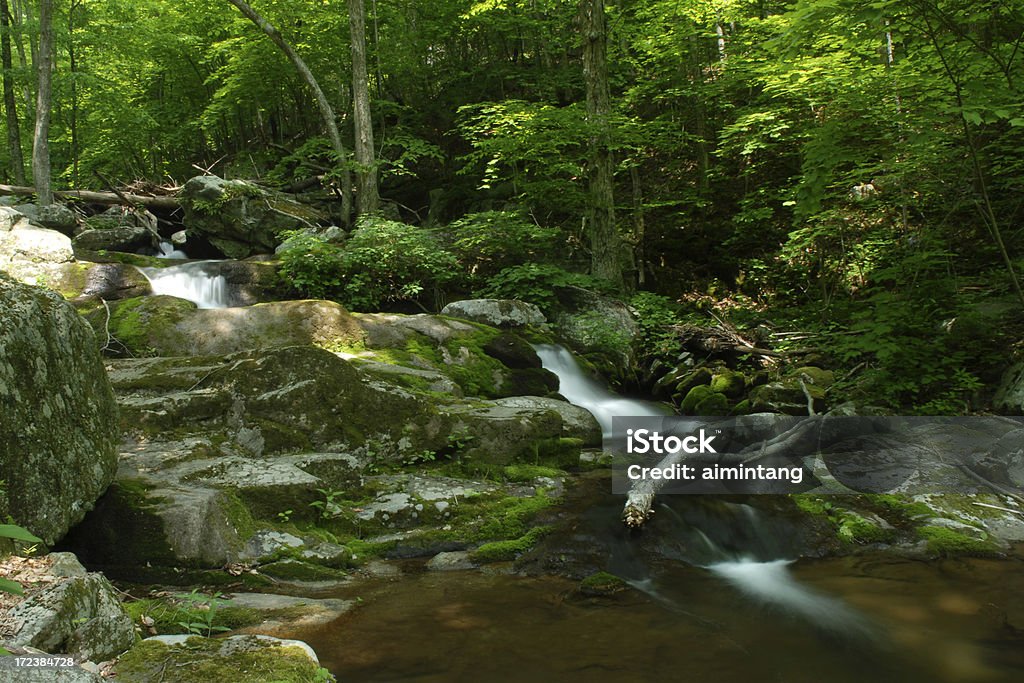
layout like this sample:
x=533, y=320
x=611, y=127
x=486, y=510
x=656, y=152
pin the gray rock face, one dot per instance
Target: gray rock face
x=577, y=423
x=1009, y=396
x=79, y=615
x=496, y=312
x=240, y=218
x=121, y=238
x=29, y=252
x=55, y=217
x=58, y=419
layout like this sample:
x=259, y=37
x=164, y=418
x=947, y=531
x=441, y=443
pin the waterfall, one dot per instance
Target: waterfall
x=167, y=250
x=195, y=281
x=736, y=543
x=584, y=391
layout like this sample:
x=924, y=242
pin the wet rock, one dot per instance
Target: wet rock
x=284, y=613
x=601, y=329
x=58, y=419
x=121, y=238
x=504, y=313
x=1009, y=397
x=457, y=560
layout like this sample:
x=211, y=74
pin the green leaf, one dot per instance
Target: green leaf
x=18, y=534
x=8, y=586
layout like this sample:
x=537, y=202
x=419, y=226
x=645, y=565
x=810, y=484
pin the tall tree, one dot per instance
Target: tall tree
x=367, y=198
x=606, y=260
x=44, y=75
x=326, y=111
x=10, y=104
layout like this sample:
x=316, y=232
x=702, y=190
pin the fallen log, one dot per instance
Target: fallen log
x=92, y=197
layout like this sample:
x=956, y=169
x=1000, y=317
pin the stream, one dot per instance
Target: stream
x=721, y=593
x=195, y=281
x=721, y=589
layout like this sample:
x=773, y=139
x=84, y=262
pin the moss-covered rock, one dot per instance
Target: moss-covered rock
x=58, y=419
x=239, y=218
x=600, y=584
x=703, y=400
x=173, y=659
x=729, y=382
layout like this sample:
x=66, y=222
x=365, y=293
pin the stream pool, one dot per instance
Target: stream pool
x=957, y=620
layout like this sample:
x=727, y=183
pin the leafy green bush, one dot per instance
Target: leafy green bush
x=311, y=265
x=656, y=315
x=387, y=261
x=487, y=242
x=537, y=283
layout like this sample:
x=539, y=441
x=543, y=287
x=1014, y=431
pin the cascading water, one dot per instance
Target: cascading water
x=732, y=540
x=195, y=281
x=584, y=391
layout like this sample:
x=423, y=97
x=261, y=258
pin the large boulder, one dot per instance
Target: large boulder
x=58, y=418
x=128, y=238
x=496, y=312
x=239, y=218
x=69, y=611
x=168, y=326
x=602, y=330
x=54, y=216
x=28, y=252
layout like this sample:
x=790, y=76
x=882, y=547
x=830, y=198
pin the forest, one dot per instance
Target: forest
x=319, y=321
x=848, y=170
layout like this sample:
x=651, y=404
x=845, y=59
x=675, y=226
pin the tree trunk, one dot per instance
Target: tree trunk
x=605, y=244
x=326, y=112
x=44, y=74
x=91, y=197
x=367, y=199
x=10, y=103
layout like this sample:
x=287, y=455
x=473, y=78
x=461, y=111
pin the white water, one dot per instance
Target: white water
x=586, y=392
x=192, y=281
x=769, y=583
x=167, y=250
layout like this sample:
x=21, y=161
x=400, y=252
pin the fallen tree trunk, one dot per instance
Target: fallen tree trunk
x=159, y=203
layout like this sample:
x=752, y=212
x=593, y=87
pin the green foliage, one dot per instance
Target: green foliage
x=15, y=533
x=945, y=541
x=537, y=283
x=311, y=265
x=503, y=551
x=386, y=262
x=202, y=610
x=488, y=242
x=656, y=314
x=330, y=505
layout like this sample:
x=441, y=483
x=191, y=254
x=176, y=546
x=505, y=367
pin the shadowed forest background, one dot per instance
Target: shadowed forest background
x=842, y=175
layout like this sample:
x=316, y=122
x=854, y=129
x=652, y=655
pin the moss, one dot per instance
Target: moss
x=728, y=382
x=204, y=660
x=530, y=472
x=238, y=515
x=712, y=404
x=601, y=584
x=693, y=397
x=170, y=614
x=294, y=570
x=503, y=518
x=503, y=551
x=945, y=541
x=742, y=408
x=850, y=527
x=900, y=507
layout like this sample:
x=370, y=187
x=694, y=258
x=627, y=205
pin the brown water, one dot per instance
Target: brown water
x=951, y=621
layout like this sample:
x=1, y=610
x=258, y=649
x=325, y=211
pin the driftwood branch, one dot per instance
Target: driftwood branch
x=91, y=197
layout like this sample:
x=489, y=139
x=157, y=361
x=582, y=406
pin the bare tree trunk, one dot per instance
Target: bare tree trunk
x=73, y=68
x=326, y=112
x=44, y=74
x=367, y=198
x=10, y=103
x=605, y=244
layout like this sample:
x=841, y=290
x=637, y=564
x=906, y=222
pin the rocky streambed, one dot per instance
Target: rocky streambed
x=294, y=470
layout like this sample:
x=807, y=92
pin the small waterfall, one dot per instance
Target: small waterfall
x=193, y=281
x=167, y=250
x=586, y=392
x=731, y=540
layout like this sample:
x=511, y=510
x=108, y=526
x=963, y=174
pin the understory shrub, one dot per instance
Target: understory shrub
x=485, y=243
